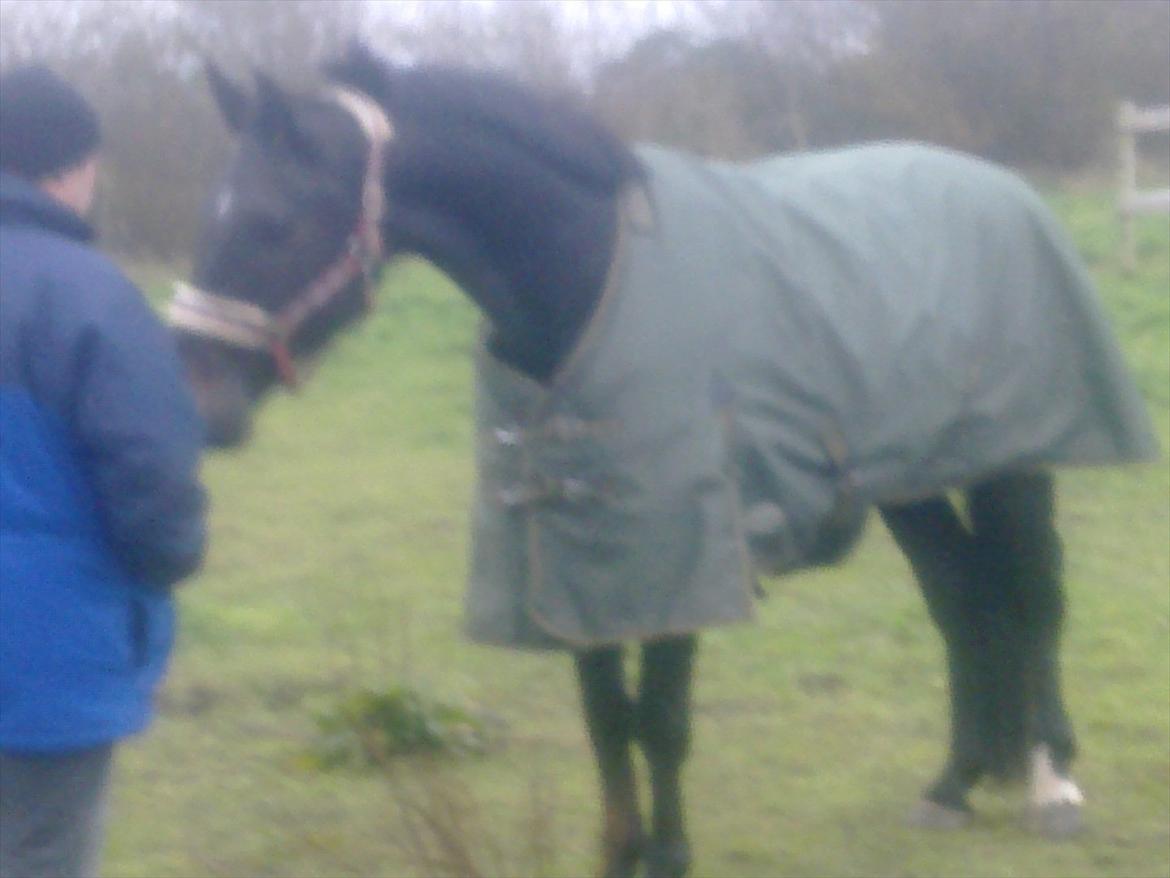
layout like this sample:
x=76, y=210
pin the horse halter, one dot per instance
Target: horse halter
x=244, y=325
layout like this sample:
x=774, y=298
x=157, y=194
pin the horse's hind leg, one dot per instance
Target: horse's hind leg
x=664, y=727
x=941, y=552
x=611, y=720
x=1014, y=522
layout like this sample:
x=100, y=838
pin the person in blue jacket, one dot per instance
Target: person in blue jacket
x=101, y=507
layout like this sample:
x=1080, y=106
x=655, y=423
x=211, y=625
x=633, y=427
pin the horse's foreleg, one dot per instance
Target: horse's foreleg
x=664, y=726
x=610, y=719
x=1014, y=521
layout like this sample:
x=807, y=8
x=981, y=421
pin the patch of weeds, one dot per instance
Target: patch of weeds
x=367, y=729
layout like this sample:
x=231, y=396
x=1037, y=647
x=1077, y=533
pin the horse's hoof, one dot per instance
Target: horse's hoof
x=621, y=867
x=928, y=814
x=1057, y=820
x=671, y=860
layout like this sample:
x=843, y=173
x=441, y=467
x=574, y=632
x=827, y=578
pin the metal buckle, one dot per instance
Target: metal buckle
x=508, y=437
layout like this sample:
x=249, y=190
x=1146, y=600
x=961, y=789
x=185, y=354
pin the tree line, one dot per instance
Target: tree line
x=1033, y=83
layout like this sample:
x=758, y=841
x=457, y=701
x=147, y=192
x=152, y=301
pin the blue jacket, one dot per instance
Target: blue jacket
x=101, y=509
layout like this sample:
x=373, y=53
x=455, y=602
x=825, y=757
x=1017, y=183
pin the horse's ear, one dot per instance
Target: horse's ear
x=277, y=122
x=234, y=103
x=362, y=69
x=272, y=109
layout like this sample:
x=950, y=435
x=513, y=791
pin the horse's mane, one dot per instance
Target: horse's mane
x=558, y=134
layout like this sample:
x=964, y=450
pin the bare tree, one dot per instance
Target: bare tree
x=1027, y=81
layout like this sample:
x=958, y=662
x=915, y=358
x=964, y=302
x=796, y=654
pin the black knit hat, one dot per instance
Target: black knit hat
x=46, y=126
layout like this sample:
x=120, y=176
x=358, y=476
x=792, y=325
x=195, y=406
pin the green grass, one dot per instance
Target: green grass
x=337, y=562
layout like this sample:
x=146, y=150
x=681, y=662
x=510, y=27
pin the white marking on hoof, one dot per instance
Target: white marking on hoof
x=1055, y=810
x=1048, y=786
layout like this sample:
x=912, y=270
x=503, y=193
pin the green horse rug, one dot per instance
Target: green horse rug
x=781, y=346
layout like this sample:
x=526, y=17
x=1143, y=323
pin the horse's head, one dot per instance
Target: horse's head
x=286, y=247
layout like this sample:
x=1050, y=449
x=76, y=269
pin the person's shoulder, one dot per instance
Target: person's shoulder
x=74, y=268
x=81, y=292
x=78, y=258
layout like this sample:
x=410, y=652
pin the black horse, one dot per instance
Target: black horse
x=517, y=199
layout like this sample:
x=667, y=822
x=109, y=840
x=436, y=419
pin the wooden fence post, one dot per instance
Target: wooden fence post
x=1127, y=181
x=1132, y=121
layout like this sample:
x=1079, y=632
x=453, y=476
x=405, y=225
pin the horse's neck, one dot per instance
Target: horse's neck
x=530, y=247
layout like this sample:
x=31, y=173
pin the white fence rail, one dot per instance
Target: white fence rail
x=1131, y=201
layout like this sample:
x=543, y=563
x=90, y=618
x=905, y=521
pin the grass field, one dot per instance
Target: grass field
x=337, y=561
